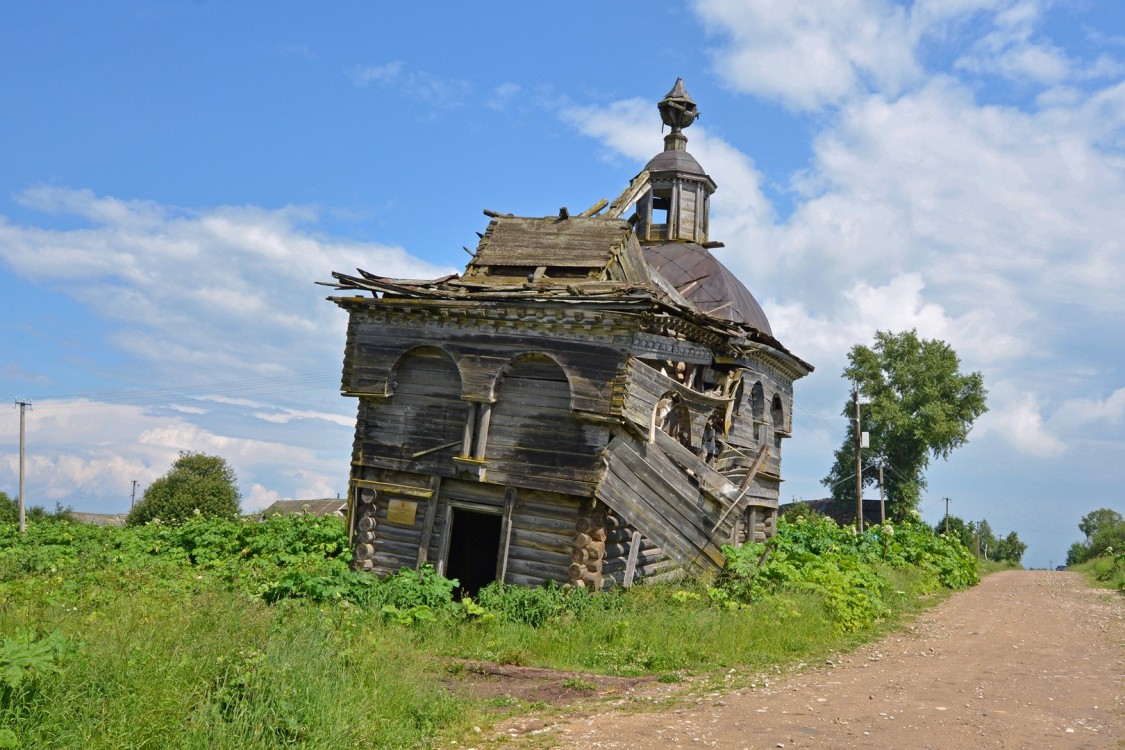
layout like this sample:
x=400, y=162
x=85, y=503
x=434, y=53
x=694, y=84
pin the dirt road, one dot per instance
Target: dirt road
x=1027, y=659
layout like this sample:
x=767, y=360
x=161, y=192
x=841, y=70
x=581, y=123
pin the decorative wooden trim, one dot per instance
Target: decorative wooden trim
x=396, y=489
x=666, y=347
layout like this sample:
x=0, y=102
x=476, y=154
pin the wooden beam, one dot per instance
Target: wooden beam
x=505, y=533
x=631, y=562
x=594, y=209
x=428, y=522
x=630, y=196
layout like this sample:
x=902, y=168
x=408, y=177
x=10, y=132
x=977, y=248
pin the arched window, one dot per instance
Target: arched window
x=777, y=413
x=758, y=401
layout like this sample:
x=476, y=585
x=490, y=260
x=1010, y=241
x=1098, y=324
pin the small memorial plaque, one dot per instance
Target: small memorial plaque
x=401, y=512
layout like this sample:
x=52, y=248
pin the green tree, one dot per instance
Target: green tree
x=919, y=406
x=1099, y=520
x=10, y=511
x=958, y=529
x=1009, y=549
x=196, y=482
x=1105, y=531
x=987, y=538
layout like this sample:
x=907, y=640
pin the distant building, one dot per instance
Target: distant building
x=329, y=507
x=99, y=519
x=597, y=399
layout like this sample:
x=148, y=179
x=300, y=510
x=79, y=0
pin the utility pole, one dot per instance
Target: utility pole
x=133, y=497
x=882, y=502
x=947, y=515
x=23, y=494
x=858, y=461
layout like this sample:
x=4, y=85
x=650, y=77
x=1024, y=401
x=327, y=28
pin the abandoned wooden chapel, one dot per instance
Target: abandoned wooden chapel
x=596, y=400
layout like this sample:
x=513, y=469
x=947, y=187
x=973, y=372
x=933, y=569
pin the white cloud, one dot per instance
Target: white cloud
x=1015, y=417
x=87, y=453
x=810, y=55
x=503, y=94
x=220, y=294
x=1076, y=413
x=219, y=307
x=258, y=498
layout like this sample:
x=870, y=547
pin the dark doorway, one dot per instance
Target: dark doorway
x=474, y=545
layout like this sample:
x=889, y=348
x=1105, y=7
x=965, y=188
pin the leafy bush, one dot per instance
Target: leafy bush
x=197, y=484
x=539, y=605
x=847, y=569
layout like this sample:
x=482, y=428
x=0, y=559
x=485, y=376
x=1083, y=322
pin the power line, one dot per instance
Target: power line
x=160, y=395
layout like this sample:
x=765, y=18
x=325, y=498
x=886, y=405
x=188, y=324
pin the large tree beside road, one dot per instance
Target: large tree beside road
x=917, y=406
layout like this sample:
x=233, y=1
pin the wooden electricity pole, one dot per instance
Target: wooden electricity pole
x=858, y=462
x=23, y=493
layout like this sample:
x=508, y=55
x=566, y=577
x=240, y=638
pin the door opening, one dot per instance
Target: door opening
x=474, y=545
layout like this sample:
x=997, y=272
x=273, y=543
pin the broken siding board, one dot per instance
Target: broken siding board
x=687, y=545
x=679, y=507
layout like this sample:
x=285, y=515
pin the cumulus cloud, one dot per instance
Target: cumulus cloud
x=1016, y=417
x=219, y=307
x=993, y=226
x=87, y=453
x=1077, y=413
x=217, y=294
x=810, y=55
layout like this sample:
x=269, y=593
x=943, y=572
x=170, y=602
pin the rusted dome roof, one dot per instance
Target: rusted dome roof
x=706, y=283
x=675, y=161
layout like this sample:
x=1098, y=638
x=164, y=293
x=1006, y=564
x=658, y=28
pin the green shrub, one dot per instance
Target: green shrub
x=846, y=568
x=197, y=484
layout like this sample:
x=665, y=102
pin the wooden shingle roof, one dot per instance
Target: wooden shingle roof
x=573, y=242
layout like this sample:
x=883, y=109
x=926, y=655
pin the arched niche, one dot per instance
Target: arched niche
x=532, y=430
x=423, y=418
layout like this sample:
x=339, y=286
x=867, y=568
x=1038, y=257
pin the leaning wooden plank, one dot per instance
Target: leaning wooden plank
x=631, y=562
x=505, y=533
x=428, y=522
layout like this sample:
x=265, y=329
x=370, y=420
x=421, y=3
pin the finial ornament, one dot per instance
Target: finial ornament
x=677, y=110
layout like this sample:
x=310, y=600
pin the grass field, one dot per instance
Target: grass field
x=217, y=634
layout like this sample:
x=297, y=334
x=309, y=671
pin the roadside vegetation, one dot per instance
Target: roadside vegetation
x=218, y=632
x=1102, y=554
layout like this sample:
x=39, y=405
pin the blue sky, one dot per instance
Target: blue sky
x=174, y=176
